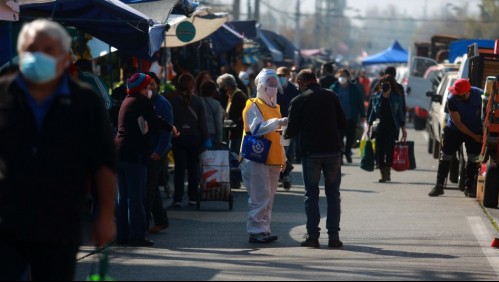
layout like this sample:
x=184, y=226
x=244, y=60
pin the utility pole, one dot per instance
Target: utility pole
x=249, y=14
x=318, y=24
x=236, y=9
x=257, y=10
x=297, y=25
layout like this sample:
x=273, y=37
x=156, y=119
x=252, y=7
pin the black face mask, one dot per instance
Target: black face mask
x=385, y=87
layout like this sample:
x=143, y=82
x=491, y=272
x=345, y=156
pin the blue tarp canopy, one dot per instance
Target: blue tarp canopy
x=288, y=49
x=111, y=21
x=460, y=47
x=225, y=39
x=395, y=54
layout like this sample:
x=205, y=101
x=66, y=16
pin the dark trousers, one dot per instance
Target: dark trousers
x=186, y=154
x=154, y=202
x=48, y=261
x=235, y=147
x=349, y=134
x=385, y=145
x=131, y=220
x=452, y=141
x=313, y=167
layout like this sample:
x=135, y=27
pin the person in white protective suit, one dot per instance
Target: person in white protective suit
x=261, y=179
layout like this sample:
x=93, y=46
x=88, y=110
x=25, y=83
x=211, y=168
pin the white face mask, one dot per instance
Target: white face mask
x=271, y=92
x=342, y=80
x=149, y=93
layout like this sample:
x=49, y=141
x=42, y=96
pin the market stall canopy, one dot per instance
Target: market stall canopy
x=158, y=10
x=395, y=54
x=288, y=50
x=225, y=39
x=111, y=21
x=186, y=30
x=460, y=47
x=252, y=31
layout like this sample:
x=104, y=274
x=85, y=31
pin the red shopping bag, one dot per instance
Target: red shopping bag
x=401, y=157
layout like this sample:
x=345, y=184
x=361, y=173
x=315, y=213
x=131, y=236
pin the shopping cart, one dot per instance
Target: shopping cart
x=215, y=176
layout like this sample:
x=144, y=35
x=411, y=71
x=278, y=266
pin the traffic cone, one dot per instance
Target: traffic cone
x=495, y=243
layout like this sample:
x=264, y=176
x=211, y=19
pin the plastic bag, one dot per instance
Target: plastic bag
x=401, y=157
x=367, y=155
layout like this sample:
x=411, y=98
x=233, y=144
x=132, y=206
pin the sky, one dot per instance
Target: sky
x=414, y=7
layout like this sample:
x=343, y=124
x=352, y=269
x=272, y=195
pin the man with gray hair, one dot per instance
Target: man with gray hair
x=56, y=138
x=234, y=112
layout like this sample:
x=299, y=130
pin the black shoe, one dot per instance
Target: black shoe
x=469, y=193
x=335, y=244
x=436, y=191
x=140, y=243
x=310, y=242
x=349, y=159
x=262, y=238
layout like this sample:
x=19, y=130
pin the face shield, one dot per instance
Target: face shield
x=267, y=83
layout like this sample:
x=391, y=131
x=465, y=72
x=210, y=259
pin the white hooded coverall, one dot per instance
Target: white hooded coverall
x=261, y=179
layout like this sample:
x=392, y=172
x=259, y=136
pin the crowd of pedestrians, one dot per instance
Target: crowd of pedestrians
x=53, y=111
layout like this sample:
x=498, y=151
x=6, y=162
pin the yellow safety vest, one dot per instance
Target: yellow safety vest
x=276, y=152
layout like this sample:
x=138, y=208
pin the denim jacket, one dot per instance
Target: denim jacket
x=396, y=105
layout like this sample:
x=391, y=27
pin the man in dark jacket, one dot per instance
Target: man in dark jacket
x=352, y=101
x=136, y=119
x=317, y=117
x=327, y=79
x=55, y=136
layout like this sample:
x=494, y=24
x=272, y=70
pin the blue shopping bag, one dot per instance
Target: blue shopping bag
x=255, y=148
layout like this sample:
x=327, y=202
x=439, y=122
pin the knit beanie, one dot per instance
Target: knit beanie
x=137, y=82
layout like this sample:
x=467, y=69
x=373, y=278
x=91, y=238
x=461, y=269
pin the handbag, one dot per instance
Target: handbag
x=412, y=155
x=401, y=157
x=367, y=157
x=255, y=148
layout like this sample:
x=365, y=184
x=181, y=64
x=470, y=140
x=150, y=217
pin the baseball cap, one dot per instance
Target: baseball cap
x=460, y=87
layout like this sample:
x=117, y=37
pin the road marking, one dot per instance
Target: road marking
x=484, y=238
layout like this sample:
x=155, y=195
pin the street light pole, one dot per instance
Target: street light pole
x=236, y=9
x=297, y=25
x=257, y=10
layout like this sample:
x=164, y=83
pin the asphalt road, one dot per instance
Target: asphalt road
x=390, y=231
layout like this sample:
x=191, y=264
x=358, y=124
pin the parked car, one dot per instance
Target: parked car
x=424, y=75
x=437, y=120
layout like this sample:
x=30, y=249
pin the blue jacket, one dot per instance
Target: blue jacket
x=161, y=143
x=357, y=107
x=396, y=105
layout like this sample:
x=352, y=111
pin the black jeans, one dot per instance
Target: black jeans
x=154, y=204
x=385, y=145
x=186, y=152
x=349, y=134
x=48, y=261
x=452, y=141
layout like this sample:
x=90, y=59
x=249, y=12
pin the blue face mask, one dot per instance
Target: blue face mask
x=283, y=81
x=38, y=67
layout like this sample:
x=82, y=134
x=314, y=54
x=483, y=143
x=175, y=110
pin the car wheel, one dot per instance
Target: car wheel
x=490, y=192
x=430, y=145
x=454, y=171
x=436, y=150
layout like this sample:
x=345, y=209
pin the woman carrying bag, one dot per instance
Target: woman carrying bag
x=386, y=106
x=262, y=117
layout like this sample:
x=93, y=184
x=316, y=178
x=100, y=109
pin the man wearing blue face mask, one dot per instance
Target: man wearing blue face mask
x=55, y=138
x=352, y=102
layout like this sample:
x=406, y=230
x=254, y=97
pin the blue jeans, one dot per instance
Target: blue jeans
x=131, y=219
x=312, y=169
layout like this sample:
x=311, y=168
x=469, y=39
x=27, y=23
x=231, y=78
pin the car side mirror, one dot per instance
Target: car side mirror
x=430, y=94
x=437, y=99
